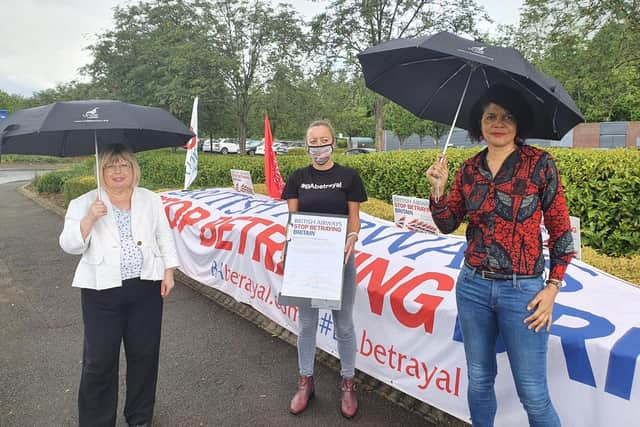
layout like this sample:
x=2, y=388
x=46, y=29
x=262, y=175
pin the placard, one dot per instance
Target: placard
x=314, y=260
x=575, y=234
x=242, y=181
x=413, y=214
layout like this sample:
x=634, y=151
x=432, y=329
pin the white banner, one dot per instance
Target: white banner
x=405, y=311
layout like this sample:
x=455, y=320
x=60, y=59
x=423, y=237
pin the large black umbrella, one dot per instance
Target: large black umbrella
x=76, y=128
x=439, y=78
x=71, y=128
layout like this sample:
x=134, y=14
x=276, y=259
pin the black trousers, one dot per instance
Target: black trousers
x=131, y=314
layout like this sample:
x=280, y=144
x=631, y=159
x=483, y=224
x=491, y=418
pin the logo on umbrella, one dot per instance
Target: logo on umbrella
x=476, y=50
x=91, y=116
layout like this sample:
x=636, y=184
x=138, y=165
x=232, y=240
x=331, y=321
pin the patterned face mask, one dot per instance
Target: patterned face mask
x=321, y=154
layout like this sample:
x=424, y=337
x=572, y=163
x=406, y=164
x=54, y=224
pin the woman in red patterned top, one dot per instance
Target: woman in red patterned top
x=504, y=191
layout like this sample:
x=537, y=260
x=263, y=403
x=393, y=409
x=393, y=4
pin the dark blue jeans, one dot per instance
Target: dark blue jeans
x=487, y=308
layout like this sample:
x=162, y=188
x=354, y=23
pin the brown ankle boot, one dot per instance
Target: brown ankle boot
x=349, y=401
x=303, y=395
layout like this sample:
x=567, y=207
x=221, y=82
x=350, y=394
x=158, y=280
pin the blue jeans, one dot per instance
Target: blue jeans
x=487, y=308
x=344, y=329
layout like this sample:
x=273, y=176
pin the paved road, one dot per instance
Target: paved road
x=216, y=368
x=19, y=174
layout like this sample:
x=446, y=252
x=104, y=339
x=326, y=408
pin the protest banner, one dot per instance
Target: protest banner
x=405, y=312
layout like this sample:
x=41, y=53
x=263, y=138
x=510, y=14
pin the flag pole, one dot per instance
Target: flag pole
x=191, y=157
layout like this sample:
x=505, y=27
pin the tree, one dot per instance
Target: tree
x=71, y=91
x=11, y=102
x=402, y=122
x=253, y=38
x=591, y=46
x=350, y=26
x=435, y=130
x=160, y=53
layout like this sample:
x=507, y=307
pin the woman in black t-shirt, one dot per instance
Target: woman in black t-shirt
x=326, y=187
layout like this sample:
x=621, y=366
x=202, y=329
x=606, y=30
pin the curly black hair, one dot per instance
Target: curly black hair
x=508, y=98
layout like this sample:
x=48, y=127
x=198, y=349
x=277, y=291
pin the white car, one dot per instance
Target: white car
x=222, y=146
x=277, y=147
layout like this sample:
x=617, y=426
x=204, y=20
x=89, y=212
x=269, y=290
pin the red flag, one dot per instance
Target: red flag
x=272, y=177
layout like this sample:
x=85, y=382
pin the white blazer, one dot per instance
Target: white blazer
x=99, y=267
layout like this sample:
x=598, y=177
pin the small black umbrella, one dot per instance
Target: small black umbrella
x=77, y=128
x=439, y=78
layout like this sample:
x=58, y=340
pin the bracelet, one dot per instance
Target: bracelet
x=353, y=233
x=554, y=282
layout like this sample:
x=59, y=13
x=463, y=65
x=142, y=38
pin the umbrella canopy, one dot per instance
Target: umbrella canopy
x=74, y=128
x=429, y=76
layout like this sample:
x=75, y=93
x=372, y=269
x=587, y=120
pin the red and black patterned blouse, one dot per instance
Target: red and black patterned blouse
x=505, y=213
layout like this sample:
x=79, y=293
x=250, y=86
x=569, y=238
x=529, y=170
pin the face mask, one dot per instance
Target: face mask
x=321, y=154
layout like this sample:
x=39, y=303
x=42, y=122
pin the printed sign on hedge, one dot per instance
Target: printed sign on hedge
x=575, y=233
x=413, y=214
x=242, y=180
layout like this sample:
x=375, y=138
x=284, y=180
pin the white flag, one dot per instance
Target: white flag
x=191, y=161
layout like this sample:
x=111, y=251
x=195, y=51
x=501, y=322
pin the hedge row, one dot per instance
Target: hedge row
x=53, y=182
x=602, y=187
x=77, y=186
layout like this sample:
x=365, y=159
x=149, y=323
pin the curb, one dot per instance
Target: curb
x=430, y=413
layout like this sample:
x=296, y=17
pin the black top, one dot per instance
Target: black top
x=326, y=191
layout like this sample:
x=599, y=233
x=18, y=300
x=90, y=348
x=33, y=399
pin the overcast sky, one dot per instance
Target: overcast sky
x=42, y=42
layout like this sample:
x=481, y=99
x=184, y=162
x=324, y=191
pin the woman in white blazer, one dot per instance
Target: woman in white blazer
x=126, y=269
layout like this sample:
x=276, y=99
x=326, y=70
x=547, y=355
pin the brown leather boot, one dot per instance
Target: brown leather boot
x=349, y=401
x=303, y=395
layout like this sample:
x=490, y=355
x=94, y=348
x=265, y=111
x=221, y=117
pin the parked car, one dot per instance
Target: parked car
x=251, y=145
x=278, y=147
x=222, y=146
x=294, y=144
x=359, y=151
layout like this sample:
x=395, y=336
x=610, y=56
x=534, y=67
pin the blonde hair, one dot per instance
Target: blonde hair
x=114, y=153
x=325, y=123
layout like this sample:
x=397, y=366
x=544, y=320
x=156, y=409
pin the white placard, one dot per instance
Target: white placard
x=242, y=181
x=413, y=214
x=575, y=234
x=314, y=258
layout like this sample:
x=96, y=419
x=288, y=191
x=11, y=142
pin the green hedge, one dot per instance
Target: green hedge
x=75, y=187
x=602, y=187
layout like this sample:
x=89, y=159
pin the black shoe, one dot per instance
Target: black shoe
x=147, y=424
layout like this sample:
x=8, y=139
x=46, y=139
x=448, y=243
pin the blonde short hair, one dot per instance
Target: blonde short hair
x=112, y=154
x=325, y=123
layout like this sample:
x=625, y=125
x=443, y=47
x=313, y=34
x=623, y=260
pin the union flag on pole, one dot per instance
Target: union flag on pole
x=272, y=178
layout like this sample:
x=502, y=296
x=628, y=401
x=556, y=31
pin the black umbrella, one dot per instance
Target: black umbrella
x=77, y=128
x=439, y=78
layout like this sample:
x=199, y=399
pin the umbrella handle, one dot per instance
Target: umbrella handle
x=95, y=143
x=453, y=125
x=455, y=118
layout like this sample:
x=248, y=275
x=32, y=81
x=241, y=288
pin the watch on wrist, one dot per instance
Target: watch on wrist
x=554, y=282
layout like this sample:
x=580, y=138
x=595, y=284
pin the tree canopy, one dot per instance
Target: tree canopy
x=248, y=58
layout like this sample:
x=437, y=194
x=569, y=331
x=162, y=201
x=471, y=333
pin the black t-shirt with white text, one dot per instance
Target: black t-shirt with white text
x=325, y=191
